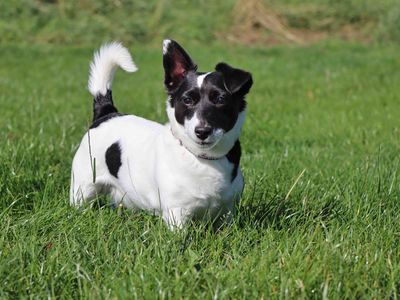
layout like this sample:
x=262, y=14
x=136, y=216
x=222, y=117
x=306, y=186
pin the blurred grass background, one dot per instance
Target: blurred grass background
x=265, y=22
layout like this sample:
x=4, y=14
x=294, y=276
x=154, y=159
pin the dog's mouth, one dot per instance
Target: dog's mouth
x=206, y=144
x=203, y=143
x=209, y=142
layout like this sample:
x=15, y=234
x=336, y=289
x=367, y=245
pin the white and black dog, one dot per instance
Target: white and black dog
x=185, y=170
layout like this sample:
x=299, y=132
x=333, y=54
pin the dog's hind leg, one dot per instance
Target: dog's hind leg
x=81, y=191
x=117, y=197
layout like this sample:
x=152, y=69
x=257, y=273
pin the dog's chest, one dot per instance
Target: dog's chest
x=197, y=185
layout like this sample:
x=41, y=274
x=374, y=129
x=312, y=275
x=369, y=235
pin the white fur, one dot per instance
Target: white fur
x=200, y=79
x=158, y=173
x=165, y=45
x=105, y=62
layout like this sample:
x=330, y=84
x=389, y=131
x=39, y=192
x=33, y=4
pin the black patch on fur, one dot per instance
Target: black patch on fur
x=236, y=81
x=233, y=156
x=103, y=105
x=187, y=88
x=113, y=159
x=103, y=109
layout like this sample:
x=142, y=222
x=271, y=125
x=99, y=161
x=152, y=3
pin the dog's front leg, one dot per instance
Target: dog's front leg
x=175, y=217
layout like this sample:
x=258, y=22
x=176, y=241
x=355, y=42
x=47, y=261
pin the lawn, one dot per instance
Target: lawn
x=319, y=216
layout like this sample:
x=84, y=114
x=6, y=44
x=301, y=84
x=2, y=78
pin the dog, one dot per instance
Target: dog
x=186, y=170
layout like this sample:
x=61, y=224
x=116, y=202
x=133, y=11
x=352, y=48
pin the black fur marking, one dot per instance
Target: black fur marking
x=103, y=109
x=233, y=156
x=103, y=105
x=188, y=88
x=113, y=159
x=235, y=80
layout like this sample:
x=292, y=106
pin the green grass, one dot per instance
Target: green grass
x=330, y=109
x=147, y=21
x=88, y=21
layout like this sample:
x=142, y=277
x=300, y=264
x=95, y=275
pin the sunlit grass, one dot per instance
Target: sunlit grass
x=320, y=211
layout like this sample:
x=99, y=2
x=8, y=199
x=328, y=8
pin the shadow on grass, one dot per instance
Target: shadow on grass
x=281, y=213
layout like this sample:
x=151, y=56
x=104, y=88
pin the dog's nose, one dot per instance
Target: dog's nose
x=202, y=132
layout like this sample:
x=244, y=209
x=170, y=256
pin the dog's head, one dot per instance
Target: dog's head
x=205, y=110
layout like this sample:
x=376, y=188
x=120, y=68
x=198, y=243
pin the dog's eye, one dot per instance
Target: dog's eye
x=220, y=99
x=187, y=101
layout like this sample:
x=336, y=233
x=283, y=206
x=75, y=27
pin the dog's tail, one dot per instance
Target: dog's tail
x=102, y=69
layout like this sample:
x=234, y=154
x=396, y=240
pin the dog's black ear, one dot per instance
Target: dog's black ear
x=177, y=63
x=236, y=81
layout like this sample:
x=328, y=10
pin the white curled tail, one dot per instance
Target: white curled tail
x=103, y=66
